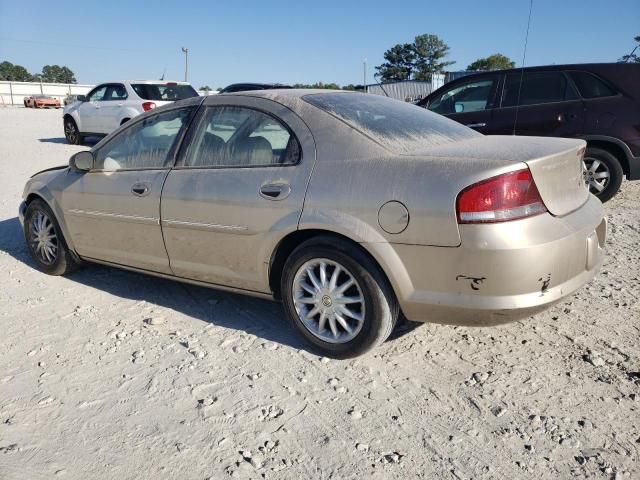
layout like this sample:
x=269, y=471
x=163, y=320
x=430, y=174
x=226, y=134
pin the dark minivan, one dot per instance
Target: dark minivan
x=599, y=103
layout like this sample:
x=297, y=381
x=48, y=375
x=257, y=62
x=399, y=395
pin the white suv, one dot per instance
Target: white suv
x=109, y=105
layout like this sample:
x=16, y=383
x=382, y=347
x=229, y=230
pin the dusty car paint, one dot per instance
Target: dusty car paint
x=213, y=227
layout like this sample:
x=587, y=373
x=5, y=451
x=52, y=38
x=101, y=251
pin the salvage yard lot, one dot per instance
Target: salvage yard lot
x=111, y=374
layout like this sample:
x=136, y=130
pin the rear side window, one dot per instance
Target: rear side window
x=398, y=126
x=163, y=91
x=241, y=137
x=591, y=86
x=537, y=87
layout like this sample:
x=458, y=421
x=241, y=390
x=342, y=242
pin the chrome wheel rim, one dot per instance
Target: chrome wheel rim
x=328, y=300
x=596, y=175
x=70, y=131
x=43, y=238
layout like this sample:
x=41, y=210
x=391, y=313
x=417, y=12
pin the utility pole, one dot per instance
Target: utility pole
x=364, y=83
x=186, y=62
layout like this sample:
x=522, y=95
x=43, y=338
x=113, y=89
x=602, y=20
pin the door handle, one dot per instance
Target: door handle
x=476, y=125
x=275, y=191
x=141, y=189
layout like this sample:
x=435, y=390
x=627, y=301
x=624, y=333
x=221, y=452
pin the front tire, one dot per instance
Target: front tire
x=602, y=173
x=337, y=298
x=71, y=132
x=45, y=241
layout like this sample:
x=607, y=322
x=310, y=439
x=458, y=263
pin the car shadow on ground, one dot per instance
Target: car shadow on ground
x=263, y=318
x=88, y=141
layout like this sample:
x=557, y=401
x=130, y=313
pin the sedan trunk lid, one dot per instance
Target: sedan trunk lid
x=555, y=164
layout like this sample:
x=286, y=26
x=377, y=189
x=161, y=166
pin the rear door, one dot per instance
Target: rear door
x=544, y=104
x=470, y=102
x=113, y=211
x=111, y=108
x=238, y=188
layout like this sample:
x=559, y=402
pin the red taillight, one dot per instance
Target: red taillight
x=146, y=106
x=506, y=197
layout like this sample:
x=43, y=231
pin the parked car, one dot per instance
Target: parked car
x=70, y=99
x=352, y=209
x=109, y=105
x=244, y=87
x=41, y=101
x=595, y=102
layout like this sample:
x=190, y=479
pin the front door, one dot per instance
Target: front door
x=238, y=188
x=113, y=211
x=111, y=108
x=89, y=110
x=469, y=103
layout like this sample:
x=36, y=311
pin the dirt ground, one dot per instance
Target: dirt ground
x=110, y=374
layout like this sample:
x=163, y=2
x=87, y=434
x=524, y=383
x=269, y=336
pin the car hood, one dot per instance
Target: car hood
x=52, y=169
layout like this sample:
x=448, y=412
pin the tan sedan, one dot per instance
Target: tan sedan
x=354, y=210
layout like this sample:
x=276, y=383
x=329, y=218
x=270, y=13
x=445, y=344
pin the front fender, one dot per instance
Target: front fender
x=39, y=188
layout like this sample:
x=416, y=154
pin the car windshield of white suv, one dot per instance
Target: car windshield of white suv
x=164, y=91
x=398, y=126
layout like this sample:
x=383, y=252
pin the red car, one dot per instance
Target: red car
x=41, y=101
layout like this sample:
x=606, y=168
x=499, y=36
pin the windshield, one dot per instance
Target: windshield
x=164, y=91
x=398, y=126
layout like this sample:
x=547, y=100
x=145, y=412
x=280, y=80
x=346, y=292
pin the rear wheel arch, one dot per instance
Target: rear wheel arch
x=124, y=120
x=289, y=243
x=614, y=149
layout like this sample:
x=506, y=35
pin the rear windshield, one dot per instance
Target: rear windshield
x=398, y=126
x=163, y=92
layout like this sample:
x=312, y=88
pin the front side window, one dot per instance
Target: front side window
x=145, y=144
x=470, y=97
x=98, y=94
x=537, y=87
x=591, y=86
x=241, y=137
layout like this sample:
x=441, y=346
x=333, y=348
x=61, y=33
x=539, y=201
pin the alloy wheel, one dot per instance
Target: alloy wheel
x=328, y=300
x=596, y=174
x=71, y=132
x=43, y=238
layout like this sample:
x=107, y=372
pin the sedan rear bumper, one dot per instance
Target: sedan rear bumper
x=502, y=272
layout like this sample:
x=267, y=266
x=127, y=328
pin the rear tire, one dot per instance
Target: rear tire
x=603, y=173
x=71, y=132
x=368, y=307
x=45, y=241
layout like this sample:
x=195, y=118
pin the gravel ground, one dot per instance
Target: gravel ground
x=110, y=374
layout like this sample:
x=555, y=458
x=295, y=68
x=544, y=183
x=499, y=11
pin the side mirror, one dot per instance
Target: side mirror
x=82, y=98
x=81, y=161
x=459, y=107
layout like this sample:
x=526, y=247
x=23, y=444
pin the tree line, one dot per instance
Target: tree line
x=49, y=74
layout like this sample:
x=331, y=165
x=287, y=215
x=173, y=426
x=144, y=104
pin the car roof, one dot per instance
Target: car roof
x=148, y=82
x=568, y=66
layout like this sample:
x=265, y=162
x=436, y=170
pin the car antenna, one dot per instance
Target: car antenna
x=524, y=57
x=375, y=77
x=163, y=72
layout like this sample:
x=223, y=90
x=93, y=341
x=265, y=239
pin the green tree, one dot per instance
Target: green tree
x=497, y=61
x=332, y=86
x=57, y=74
x=15, y=73
x=353, y=88
x=632, y=57
x=415, y=61
x=206, y=88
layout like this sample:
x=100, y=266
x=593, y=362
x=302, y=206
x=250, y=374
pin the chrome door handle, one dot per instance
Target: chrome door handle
x=140, y=189
x=476, y=125
x=275, y=191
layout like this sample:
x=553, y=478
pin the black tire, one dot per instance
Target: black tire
x=608, y=163
x=62, y=261
x=381, y=308
x=71, y=132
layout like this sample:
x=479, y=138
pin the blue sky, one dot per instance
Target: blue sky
x=289, y=42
